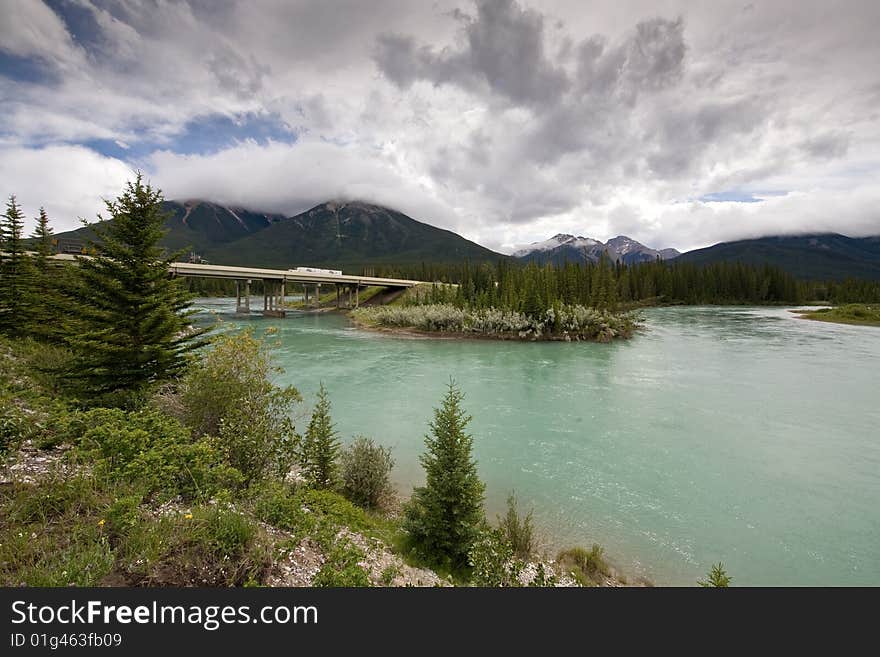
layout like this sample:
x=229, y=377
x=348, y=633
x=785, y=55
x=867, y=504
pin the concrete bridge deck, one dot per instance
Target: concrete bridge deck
x=275, y=282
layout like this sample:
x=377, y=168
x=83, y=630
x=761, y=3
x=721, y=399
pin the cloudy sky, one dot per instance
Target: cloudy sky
x=679, y=123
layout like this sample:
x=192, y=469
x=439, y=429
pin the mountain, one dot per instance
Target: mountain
x=561, y=248
x=568, y=248
x=815, y=256
x=630, y=252
x=340, y=234
x=198, y=225
x=337, y=233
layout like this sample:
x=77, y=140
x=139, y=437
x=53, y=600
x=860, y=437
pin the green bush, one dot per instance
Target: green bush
x=584, y=565
x=333, y=508
x=366, y=469
x=278, y=505
x=342, y=568
x=229, y=394
x=153, y=451
x=517, y=530
x=493, y=562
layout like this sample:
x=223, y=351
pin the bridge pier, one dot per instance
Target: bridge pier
x=243, y=309
x=273, y=298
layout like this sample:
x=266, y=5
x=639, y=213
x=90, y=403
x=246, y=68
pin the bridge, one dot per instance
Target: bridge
x=275, y=282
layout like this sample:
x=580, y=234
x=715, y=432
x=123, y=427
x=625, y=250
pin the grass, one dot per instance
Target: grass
x=51, y=533
x=859, y=314
x=585, y=566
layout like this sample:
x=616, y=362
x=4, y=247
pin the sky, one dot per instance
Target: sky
x=678, y=123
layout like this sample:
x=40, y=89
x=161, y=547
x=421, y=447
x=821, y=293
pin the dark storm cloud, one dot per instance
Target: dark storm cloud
x=503, y=52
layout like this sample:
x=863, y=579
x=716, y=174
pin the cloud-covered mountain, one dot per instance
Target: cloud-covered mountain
x=347, y=234
x=568, y=248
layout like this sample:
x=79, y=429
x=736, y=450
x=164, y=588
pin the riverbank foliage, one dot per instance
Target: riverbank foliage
x=852, y=313
x=561, y=322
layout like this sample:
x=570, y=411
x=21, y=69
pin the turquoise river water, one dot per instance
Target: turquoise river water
x=742, y=435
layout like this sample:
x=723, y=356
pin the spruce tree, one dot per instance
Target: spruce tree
x=445, y=516
x=130, y=326
x=44, y=300
x=16, y=273
x=320, y=448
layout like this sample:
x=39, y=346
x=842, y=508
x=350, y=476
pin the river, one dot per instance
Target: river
x=741, y=435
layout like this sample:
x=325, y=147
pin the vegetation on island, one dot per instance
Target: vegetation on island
x=138, y=450
x=852, y=313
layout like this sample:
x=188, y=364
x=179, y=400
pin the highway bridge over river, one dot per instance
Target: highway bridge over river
x=275, y=283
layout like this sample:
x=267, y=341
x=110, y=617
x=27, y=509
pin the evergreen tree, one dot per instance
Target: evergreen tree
x=16, y=273
x=444, y=517
x=717, y=578
x=130, y=327
x=44, y=300
x=320, y=448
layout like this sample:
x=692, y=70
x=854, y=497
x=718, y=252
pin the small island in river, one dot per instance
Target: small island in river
x=852, y=313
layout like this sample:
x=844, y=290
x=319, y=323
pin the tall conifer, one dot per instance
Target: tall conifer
x=445, y=516
x=131, y=328
x=16, y=272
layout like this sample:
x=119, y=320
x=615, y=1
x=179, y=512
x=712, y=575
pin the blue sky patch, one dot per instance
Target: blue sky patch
x=80, y=23
x=209, y=134
x=730, y=196
x=27, y=69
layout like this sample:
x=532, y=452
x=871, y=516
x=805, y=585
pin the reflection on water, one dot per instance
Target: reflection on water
x=744, y=435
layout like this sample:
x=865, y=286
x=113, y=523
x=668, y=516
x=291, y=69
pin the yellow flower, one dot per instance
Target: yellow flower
x=101, y=522
x=188, y=516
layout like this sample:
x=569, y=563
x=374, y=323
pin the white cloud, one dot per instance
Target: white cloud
x=69, y=181
x=505, y=120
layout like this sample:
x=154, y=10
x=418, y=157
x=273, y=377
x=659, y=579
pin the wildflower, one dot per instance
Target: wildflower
x=188, y=516
x=101, y=522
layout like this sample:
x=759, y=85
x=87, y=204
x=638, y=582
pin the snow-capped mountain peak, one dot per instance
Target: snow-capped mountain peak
x=564, y=247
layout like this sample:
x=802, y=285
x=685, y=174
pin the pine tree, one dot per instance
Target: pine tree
x=44, y=300
x=130, y=326
x=16, y=272
x=320, y=450
x=717, y=578
x=444, y=517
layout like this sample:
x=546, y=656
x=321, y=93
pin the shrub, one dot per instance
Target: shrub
x=342, y=568
x=584, y=565
x=716, y=578
x=277, y=505
x=153, y=451
x=517, y=530
x=493, y=562
x=366, y=469
x=573, y=321
x=229, y=393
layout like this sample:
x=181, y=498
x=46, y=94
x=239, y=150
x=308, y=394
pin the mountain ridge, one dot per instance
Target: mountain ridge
x=564, y=247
